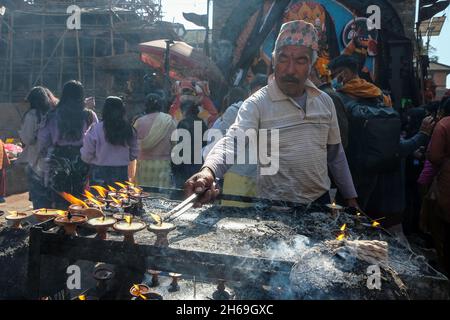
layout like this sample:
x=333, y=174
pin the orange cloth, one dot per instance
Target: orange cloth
x=363, y=89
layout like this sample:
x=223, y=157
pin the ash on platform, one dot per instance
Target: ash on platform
x=301, y=236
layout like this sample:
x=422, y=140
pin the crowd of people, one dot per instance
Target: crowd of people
x=342, y=134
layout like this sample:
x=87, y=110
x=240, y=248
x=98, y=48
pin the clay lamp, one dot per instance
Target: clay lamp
x=221, y=293
x=70, y=223
x=76, y=209
x=161, y=231
x=84, y=297
x=335, y=208
x=155, y=277
x=102, y=225
x=174, y=286
x=128, y=228
x=16, y=218
x=140, y=291
x=45, y=214
x=115, y=202
x=119, y=216
x=103, y=274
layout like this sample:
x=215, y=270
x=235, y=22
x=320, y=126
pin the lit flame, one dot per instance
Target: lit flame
x=73, y=200
x=157, y=219
x=129, y=183
x=138, y=292
x=375, y=224
x=82, y=297
x=61, y=213
x=88, y=195
x=116, y=201
x=344, y=227
x=97, y=203
x=91, y=198
x=137, y=190
x=101, y=191
x=121, y=185
x=334, y=204
x=112, y=189
x=128, y=219
x=14, y=213
x=341, y=237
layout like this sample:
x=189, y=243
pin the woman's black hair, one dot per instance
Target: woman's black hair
x=70, y=111
x=118, y=130
x=153, y=103
x=39, y=101
x=445, y=106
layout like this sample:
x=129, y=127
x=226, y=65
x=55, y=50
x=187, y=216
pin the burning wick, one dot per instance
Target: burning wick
x=129, y=219
x=341, y=236
x=82, y=297
x=157, y=219
x=138, y=292
x=375, y=224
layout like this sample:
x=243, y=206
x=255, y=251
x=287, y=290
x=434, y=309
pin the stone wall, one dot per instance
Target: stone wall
x=406, y=9
x=10, y=119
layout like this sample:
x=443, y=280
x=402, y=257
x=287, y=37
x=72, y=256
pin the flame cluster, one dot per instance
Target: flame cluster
x=342, y=235
x=103, y=193
x=137, y=290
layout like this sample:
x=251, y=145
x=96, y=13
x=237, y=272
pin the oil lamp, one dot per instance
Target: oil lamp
x=70, y=223
x=161, y=231
x=16, y=218
x=174, y=286
x=102, y=225
x=128, y=228
x=335, y=208
x=139, y=290
x=221, y=293
x=155, y=277
x=45, y=214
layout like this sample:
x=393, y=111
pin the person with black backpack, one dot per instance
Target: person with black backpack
x=375, y=151
x=60, y=140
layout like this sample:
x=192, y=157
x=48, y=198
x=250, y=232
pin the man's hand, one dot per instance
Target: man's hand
x=428, y=125
x=202, y=183
x=353, y=203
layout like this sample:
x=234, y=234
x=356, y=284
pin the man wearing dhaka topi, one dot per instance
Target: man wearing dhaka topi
x=309, y=143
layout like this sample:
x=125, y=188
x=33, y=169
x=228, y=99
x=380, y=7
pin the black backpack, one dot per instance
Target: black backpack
x=374, y=135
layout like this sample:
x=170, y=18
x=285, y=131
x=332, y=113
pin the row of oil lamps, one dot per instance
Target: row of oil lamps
x=92, y=210
x=139, y=291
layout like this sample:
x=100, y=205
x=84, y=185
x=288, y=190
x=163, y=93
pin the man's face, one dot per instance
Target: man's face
x=292, y=68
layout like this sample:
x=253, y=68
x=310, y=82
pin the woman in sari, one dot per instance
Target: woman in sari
x=153, y=166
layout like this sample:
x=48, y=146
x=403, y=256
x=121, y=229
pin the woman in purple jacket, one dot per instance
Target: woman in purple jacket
x=60, y=140
x=109, y=146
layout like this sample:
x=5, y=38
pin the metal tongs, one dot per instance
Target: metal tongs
x=182, y=207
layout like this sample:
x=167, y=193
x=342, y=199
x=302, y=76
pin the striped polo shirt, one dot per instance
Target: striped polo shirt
x=302, y=175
